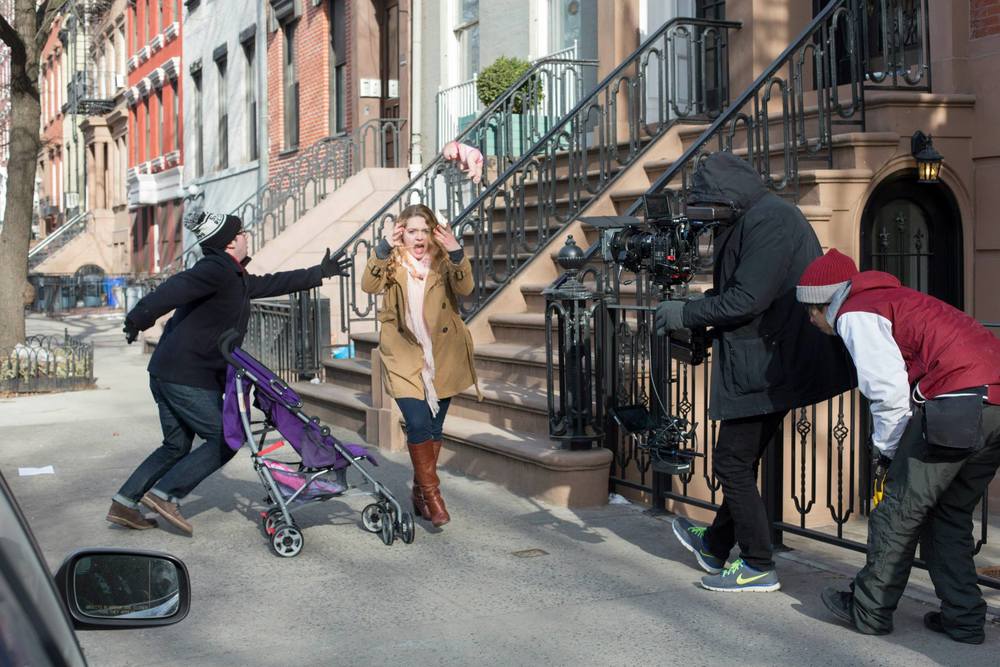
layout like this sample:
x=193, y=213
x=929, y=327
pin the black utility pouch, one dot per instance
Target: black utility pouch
x=955, y=420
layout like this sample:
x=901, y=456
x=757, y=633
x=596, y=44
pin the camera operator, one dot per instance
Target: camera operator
x=767, y=360
x=944, y=449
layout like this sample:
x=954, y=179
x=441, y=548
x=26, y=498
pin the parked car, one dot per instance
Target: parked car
x=93, y=589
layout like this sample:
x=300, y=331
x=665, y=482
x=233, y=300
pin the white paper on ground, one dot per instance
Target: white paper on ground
x=28, y=472
x=615, y=499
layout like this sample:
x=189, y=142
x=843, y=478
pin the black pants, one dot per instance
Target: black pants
x=930, y=496
x=742, y=518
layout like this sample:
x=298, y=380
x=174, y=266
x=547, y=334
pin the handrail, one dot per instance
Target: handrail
x=73, y=225
x=581, y=116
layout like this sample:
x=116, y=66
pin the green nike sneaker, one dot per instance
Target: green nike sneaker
x=740, y=577
x=692, y=537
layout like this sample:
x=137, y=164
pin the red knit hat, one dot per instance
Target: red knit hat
x=825, y=277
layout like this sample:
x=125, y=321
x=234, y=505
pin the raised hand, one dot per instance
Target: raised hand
x=338, y=265
x=397, y=234
x=444, y=236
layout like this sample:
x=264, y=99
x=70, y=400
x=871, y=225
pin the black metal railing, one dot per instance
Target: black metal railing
x=47, y=363
x=512, y=123
x=896, y=40
x=305, y=181
x=290, y=335
x=59, y=237
x=682, y=67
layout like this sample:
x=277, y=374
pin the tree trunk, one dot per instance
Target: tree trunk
x=24, y=146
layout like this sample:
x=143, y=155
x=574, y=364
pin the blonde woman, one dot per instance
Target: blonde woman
x=425, y=347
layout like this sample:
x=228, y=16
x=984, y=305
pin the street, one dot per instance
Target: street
x=508, y=582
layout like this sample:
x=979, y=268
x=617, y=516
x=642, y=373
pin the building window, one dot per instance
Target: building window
x=149, y=131
x=160, y=131
x=338, y=68
x=199, y=149
x=222, y=98
x=135, y=28
x=249, y=52
x=177, y=115
x=291, y=83
x=150, y=29
x=467, y=33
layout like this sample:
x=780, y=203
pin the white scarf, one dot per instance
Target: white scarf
x=418, y=271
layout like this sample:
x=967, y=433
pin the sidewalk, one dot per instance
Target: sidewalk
x=508, y=582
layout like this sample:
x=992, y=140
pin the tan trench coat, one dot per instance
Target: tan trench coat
x=402, y=358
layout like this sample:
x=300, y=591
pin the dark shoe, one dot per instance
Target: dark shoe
x=840, y=604
x=741, y=578
x=932, y=621
x=169, y=511
x=692, y=539
x=423, y=456
x=128, y=517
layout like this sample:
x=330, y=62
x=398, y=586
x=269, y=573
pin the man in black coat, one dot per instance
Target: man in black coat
x=767, y=359
x=187, y=373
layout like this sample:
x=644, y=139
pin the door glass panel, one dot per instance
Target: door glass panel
x=900, y=243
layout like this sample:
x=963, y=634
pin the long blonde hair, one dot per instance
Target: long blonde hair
x=437, y=252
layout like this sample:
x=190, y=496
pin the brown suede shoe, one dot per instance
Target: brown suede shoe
x=128, y=517
x=168, y=510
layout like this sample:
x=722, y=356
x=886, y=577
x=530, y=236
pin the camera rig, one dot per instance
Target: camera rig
x=665, y=247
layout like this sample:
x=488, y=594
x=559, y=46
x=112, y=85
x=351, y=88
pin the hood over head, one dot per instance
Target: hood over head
x=723, y=178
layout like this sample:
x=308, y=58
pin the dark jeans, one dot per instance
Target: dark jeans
x=173, y=470
x=420, y=426
x=930, y=496
x=742, y=518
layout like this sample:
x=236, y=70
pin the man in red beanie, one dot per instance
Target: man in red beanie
x=932, y=374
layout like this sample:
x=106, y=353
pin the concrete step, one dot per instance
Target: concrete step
x=526, y=464
x=526, y=327
x=516, y=363
x=505, y=405
x=364, y=343
x=332, y=404
x=355, y=374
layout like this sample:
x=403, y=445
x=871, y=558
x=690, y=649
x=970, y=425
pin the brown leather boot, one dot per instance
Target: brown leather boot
x=128, y=517
x=419, y=506
x=425, y=472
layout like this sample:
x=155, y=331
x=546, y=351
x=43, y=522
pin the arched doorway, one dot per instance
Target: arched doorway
x=914, y=231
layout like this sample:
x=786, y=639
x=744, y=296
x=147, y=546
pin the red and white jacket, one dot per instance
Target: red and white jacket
x=904, y=341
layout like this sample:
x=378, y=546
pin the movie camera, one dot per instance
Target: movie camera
x=665, y=246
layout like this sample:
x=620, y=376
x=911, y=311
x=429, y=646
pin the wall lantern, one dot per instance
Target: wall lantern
x=928, y=159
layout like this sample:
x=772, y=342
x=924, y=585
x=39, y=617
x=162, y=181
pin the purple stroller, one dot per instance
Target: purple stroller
x=322, y=472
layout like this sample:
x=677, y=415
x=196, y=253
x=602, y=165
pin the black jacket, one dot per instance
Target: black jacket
x=207, y=299
x=768, y=356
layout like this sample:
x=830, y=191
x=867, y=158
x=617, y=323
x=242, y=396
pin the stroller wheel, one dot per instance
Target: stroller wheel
x=406, y=532
x=287, y=541
x=371, y=517
x=388, y=532
x=269, y=519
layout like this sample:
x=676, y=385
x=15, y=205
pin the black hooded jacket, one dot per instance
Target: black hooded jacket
x=768, y=356
x=207, y=299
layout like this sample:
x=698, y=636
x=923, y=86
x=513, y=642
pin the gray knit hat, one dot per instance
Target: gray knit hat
x=214, y=230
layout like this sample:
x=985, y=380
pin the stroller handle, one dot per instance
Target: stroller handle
x=227, y=341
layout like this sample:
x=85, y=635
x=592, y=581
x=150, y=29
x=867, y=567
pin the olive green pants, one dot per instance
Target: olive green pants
x=930, y=496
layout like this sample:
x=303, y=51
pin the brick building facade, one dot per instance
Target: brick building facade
x=155, y=101
x=984, y=18
x=51, y=168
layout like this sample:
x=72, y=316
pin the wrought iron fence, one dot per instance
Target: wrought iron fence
x=47, y=363
x=896, y=39
x=289, y=335
x=571, y=155
x=306, y=181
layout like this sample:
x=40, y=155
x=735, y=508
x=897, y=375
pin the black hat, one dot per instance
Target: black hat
x=215, y=230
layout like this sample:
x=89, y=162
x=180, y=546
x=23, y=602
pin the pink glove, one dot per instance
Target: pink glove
x=470, y=159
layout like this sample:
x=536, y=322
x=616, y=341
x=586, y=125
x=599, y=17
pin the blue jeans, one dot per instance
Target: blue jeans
x=172, y=471
x=420, y=426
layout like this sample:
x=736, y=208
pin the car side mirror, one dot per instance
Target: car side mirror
x=123, y=588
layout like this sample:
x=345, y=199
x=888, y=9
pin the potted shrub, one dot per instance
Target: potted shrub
x=496, y=80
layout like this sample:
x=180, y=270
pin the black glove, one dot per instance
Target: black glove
x=669, y=316
x=880, y=470
x=131, y=331
x=338, y=265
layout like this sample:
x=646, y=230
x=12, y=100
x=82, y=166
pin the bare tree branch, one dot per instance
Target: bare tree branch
x=13, y=40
